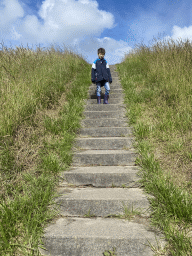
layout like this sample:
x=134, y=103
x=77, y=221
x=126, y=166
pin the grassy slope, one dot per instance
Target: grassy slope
x=42, y=102
x=42, y=98
x=158, y=89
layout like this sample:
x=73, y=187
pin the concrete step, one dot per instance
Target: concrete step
x=92, y=237
x=104, y=114
x=111, y=101
x=104, y=107
x=101, y=202
x=105, y=132
x=102, y=176
x=104, y=167
x=112, y=91
x=104, y=143
x=104, y=157
x=115, y=76
x=111, y=96
x=113, y=88
x=116, y=84
x=104, y=122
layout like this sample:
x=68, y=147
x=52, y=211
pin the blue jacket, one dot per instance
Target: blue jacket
x=100, y=71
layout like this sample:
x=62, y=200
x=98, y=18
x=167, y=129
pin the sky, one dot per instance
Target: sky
x=86, y=25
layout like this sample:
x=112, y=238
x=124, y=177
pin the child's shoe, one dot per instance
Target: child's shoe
x=98, y=99
x=105, y=101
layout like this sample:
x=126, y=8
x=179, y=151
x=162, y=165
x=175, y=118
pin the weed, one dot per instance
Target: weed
x=129, y=213
x=110, y=253
x=89, y=215
x=113, y=185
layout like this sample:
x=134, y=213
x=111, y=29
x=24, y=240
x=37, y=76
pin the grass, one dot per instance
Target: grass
x=110, y=253
x=89, y=215
x=42, y=99
x=158, y=86
x=128, y=213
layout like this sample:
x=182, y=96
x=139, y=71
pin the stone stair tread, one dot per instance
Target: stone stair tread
x=111, y=105
x=104, y=157
x=103, y=169
x=102, y=176
x=104, y=107
x=104, y=143
x=111, y=101
x=107, y=119
x=104, y=122
x=104, y=114
x=105, y=152
x=114, y=89
x=106, y=138
x=96, y=227
x=111, y=96
x=92, y=237
x=99, y=139
x=114, y=85
x=107, y=111
x=89, y=193
x=102, y=181
x=101, y=201
x=106, y=132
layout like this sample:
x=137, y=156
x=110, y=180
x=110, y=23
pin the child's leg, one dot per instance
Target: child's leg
x=98, y=89
x=106, y=96
x=107, y=88
x=98, y=93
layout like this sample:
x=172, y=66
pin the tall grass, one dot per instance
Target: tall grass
x=158, y=88
x=42, y=97
x=32, y=79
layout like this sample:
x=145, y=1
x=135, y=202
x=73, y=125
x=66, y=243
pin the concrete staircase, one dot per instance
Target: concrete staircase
x=101, y=184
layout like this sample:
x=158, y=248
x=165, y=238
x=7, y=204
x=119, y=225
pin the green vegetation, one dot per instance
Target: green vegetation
x=89, y=215
x=110, y=253
x=158, y=89
x=42, y=99
x=128, y=212
x=42, y=96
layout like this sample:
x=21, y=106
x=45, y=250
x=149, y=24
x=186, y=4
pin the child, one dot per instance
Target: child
x=101, y=75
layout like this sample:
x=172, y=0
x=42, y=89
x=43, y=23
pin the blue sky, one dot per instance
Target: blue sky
x=86, y=25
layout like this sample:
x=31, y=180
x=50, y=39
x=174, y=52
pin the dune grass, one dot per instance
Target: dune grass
x=42, y=99
x=158, y=89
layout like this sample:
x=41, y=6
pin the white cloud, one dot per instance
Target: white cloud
x=15, y=35
x=58, y=21
x=10, y=12
x=178, y=35
x=75, y=23
x=65, y=21
x=115, y=50
x=46, y=8
x=182, y=33
x=160, y=18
